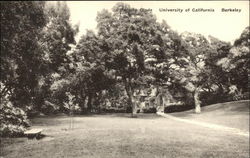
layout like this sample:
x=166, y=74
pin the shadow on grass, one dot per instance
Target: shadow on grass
x=129, y=115
x=5, y=141
x=121, y=115
x=39, y=137
x=60, y=119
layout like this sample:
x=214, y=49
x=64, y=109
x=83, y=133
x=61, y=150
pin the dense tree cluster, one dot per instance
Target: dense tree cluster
x=44, y=70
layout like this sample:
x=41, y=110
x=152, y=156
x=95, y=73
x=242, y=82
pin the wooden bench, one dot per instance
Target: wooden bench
x=33, y=133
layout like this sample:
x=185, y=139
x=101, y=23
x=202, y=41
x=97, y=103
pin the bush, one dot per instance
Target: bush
x=213, y=98
x=13, y=120
x=49, y=108
x=240, y=96
x=149, y=110
x=177, y=108
x=128, y=109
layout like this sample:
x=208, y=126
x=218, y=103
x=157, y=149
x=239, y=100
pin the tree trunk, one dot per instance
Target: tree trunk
x=159, y=102
x=134, y=109
x=82, y=101
x=197, y=101
x=89, y=104
x=131, y=98
x=132, y=102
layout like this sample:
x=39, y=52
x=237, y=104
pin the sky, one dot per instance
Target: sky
x=226, y=26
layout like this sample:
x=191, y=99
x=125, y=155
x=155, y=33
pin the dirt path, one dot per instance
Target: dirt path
x=208, y=125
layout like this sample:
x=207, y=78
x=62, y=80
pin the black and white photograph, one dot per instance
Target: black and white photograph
x=124, y=79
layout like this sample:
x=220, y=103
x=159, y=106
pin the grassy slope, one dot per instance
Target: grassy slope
x=118, y=136
x=230, y=114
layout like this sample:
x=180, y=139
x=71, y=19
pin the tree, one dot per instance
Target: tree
x=237, y=62
x=22, y=63
x=89, y=77
x=58, y=35
x=22, y=58
x=193, y=74
x=135, y=44
x=217, y=82
x=57, y=41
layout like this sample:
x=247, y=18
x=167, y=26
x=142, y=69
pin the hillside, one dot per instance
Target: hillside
x=231, y=114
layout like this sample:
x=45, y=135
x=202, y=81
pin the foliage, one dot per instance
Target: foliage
x=21, y=56
x=130, y=52
x=149, y=110
x=57, y=41
x=217, y=80
x=138, y=49
x=237, y=62
x=71, y=105
x=90, y=77
x=58, y=35
x=191, y=71
x=13, y=120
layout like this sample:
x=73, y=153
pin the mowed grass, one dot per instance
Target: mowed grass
x=119, y=136
x=230, y=114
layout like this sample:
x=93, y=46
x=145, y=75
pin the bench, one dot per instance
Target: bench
x=33, y=133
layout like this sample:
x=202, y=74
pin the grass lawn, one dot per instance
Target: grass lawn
x=119, y=136
x=230, y=114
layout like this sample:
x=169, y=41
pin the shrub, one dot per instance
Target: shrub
x=177, y=108
x=213, y=98
x=128, y=109
x=13, y=120
x=49, y=108
x=149, y=110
